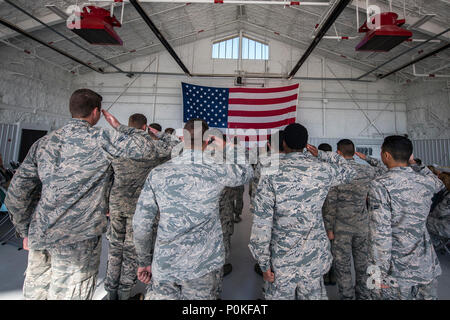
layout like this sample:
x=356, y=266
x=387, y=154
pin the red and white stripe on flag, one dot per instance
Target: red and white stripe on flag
x=261, y=108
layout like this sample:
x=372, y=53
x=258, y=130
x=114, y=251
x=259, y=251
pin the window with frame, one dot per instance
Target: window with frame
x=251, y=49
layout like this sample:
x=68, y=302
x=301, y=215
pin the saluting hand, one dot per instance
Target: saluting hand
x=411, y=160
x=312, y=149
x=361, y=155
x=111, y=119
x=145, y=274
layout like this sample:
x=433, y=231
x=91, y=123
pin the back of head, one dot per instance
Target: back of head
x=346, y=147
x=295, y=136
x=399, y=147
x=155, y=126
x=83, y=102
x=195, y=127
x=325, y=147
x=169, y=130
x=137, y=120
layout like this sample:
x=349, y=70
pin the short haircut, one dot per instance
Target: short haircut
x=325, y=147
x=189, y=126
x=347, y=147
x=296, y=136
x=169, y=130
x=399, y=147
x=137, y=120
x=83, y=102
x=155, y=126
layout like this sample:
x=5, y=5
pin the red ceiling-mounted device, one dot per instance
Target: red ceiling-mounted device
x=385, y=37
x=96, y=26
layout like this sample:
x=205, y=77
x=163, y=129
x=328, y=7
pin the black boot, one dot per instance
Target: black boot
x=326, y=278
x=227, y=268
x=332, y=276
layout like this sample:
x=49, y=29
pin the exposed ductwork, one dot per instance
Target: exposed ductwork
x=384, y=36
x=96, y=26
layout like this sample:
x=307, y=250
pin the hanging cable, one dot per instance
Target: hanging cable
x=131, y=83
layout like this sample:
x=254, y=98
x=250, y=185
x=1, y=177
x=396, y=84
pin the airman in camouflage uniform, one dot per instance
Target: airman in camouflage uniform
x=438, y=222
x=188, y=252
x=346, y=222
x=62, y=224
x=402, y=262
x=288, y=237
x=226, y=218
x=129, y=177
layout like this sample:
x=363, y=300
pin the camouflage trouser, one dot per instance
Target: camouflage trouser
x=426, y=291
x=345, y=246
x=226, y=217
x=203, y=288
x=287, y=286
x=63, y=273
x=238, y=200
x=121, y=272
x=227, y=232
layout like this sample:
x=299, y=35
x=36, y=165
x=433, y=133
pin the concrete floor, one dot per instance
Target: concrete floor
x=242, y=284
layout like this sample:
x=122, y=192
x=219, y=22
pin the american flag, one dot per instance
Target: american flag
x=239, y=110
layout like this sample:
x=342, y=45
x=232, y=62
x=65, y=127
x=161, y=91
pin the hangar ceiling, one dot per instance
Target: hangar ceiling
x=182, y=23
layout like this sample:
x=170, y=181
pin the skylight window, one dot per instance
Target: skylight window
x=251, y=49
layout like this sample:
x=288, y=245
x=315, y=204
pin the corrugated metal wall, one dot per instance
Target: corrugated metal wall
x=8, y=136
x=433, y=151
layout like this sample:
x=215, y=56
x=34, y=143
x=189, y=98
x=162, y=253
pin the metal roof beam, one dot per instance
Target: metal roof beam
x=159, y=35
x=334, y=14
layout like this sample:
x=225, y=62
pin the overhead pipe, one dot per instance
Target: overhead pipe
x=283, y=3
x=440, y=68
x=60, y=34
x=247, y=75
x=159, y=35
x=336, y=11
x=403, y=53
x=339, y=37
x=28, y=35
x=429, y=75
x=429, y=54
